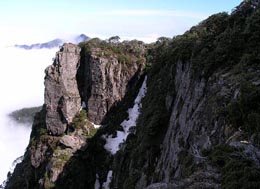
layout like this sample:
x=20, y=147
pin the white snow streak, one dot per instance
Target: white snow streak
x=83, y=105
x=95, y=126
x=97, y=184
x=112, y=144
x=109, y=178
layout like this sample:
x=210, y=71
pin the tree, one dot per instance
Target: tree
x=114, y=39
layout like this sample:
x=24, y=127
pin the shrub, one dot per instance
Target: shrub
x=79, y=120
x=236, y=170
x=244, y=112
x=92, y=132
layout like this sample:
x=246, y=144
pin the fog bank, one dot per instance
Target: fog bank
x=21, y=82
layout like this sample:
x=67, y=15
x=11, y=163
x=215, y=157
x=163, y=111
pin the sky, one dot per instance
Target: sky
x=31, y=21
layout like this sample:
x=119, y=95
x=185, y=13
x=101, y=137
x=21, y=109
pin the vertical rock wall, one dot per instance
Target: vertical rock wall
x=61, y=96
x=105, y=82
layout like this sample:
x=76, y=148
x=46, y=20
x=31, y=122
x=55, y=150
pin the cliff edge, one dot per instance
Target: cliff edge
x=178, y=113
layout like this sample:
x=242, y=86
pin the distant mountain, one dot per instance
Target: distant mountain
x=51, y=44
x=25, y=115
x=81, y=38
x=54, y=43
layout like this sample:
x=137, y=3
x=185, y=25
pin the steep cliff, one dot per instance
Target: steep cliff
x=106, y=73
x=81, y=86
x=199, y=126
x=61, y=95
x=178, y=113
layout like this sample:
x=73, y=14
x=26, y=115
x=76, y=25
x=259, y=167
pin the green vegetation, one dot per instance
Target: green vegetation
x=126, y=52
x=236, y=170
x=47, y=183
x=25, y=115
x=61, y=155
x=143, y=146
x=33, y=142
x=244, y=112
x=114, y=39
x=42, y=131
x=132, y=179
x=186, y=160
x=92, y=132
x=79, y=121
x=221, y=41
x=39, y=132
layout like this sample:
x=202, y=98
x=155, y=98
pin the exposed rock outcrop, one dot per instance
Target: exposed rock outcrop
x=77, y=79
x=62, y=97
x=106, y=81
x=185, y=138
x=198, y=124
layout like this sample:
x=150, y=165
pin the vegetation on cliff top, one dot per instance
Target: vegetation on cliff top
x=25, y=115
x=126, y=52
x=220, y=42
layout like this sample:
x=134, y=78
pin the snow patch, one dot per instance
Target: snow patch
x=95, y=125
x=109, y=178
x=112, y=144
x=83, y=105
x=97, y=184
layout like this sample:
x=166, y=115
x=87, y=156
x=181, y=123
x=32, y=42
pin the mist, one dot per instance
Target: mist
x=22, y=85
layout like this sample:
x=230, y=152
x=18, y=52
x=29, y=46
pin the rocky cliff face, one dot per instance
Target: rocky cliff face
x=80, y=82
x=197, y=124
x=61, y=96
x=105, y=81
x=198, y=131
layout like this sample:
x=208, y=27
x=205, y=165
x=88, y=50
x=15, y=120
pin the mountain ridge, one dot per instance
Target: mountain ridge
x=199, y=119
x=54, y=43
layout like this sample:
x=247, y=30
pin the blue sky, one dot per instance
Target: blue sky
x=41, y=20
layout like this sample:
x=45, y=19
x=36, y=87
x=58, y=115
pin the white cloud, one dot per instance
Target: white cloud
x=21, y=81
x=167, y=13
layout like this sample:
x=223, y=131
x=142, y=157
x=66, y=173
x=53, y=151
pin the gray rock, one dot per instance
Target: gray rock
x=192, y=121
x=106, y=82
x=158, y=186
x=73, y=142
x=61, y=96
x=38, y=155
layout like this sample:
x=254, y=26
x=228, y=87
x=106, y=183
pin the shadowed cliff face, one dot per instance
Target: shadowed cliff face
x=199, y=120
x=106, y=73
x=108, y=84
x=77, y=77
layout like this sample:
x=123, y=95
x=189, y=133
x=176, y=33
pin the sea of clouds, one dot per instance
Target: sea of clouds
x=21, y=85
